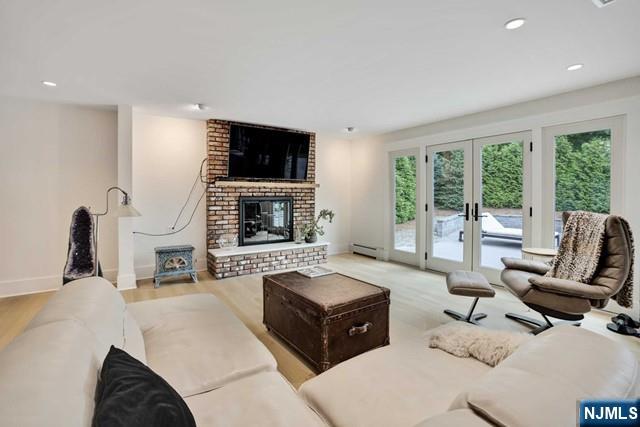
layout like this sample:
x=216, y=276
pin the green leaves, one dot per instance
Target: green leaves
x=314, y=226
x=502, y=175
x=405, y=176
x=583, y=172
x=583, y=176
x=448, y=180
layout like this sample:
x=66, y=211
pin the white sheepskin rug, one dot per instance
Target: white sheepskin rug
x=466, y=340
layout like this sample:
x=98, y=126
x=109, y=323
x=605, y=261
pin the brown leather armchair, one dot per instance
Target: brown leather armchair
x=566, y=299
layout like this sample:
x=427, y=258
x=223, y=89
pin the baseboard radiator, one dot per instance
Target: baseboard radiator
x=364, y=250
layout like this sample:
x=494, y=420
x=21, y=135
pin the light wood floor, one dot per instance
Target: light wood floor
x=417, y=301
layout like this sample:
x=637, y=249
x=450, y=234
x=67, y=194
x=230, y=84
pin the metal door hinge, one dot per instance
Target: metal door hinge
x=426, y=255
x=426, y=207
x=530, y=210
x=531, y=146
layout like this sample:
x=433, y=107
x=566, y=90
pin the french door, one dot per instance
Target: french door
x=478, y=203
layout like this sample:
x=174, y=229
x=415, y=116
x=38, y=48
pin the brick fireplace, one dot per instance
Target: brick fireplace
x=223, y=209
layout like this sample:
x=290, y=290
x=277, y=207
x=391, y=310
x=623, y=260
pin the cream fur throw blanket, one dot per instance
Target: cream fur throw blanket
x=466, y=340
x=580, y=251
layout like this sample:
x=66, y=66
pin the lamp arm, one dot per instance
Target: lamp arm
x=98, y=215
x=126, y=200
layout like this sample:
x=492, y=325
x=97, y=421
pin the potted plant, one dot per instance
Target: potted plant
x=313, y=229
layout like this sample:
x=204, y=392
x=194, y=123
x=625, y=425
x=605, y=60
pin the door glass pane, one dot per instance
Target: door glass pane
x=448, y=203
x=405, y=208
x=502, y=231
x=583, y=174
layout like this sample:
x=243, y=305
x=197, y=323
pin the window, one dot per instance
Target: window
x=405, y=203
x=582, y=174
x=579, y=168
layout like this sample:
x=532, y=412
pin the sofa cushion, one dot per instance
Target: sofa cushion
x=542, y=381
x=400, y=385
x=265, y=399
x=456, y=418
x=48, y=377
x=133, y=339
x=96, y=304
x=131, y=394
x=197, y=344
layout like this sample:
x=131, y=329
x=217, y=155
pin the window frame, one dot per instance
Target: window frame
x=549, y=134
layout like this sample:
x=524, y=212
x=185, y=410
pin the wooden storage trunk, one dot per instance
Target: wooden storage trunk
x=327, y=319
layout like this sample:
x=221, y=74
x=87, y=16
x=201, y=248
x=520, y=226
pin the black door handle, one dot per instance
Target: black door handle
x=476, y=213
x=466, y=212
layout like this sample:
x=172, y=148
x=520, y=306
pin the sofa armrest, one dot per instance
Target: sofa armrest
x=570, y=288
x=526, y=265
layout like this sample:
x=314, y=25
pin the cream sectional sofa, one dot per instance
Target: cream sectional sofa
x=538, y=385
x=228, y=378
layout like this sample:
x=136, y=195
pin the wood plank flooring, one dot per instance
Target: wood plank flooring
x=417, y=301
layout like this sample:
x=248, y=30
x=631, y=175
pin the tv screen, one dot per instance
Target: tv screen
x=267, y=153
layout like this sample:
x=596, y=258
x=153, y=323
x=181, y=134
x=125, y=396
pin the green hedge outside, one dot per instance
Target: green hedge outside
x=405, y=189
x=583, y=176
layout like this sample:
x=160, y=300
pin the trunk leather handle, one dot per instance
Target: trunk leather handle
x=359, y=329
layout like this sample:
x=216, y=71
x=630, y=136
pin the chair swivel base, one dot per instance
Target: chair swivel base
x=464, y=317
x=469, y=317
x=540, y=326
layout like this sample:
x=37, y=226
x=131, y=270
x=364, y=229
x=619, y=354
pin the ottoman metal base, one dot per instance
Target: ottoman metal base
x=469, y=317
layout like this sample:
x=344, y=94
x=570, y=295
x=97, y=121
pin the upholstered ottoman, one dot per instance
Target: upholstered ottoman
x=468, y=284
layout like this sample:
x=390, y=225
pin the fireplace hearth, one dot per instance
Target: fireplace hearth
x=265, y=220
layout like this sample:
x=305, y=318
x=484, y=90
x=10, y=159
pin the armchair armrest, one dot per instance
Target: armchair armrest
x=570, y=288
x=537, y=267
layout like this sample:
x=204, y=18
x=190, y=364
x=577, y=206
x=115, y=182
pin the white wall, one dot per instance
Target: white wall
x=369, y=170
x=333, y=173
x=166, y=156
x=54, y=158
x=166, y=160
x=371, y=186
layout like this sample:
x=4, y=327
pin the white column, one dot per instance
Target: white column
x=126, y=274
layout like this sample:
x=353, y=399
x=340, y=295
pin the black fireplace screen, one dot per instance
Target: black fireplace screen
x=265, y=220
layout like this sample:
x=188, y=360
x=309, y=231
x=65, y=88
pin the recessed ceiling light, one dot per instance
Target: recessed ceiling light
x=514, y=23
x=574, y=67
x=47, y=83
x=350, y=129
x=602, y=3
x=201, y=107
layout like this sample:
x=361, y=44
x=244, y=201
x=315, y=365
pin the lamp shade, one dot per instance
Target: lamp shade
x=124, y=211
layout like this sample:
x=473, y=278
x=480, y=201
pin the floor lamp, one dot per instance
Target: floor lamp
x=125, y=209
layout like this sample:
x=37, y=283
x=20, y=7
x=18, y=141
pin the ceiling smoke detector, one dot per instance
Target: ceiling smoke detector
x=602, y=3
x=201, y=107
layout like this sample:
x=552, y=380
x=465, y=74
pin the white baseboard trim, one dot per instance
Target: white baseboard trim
x=363, y=250
x=35, y=285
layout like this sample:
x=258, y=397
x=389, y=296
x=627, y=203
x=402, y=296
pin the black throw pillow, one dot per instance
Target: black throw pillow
x=130, y=394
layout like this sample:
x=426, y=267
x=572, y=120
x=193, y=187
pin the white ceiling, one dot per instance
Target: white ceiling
x=378, y=65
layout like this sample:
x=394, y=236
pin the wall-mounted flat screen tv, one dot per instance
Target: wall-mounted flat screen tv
x=256, y=152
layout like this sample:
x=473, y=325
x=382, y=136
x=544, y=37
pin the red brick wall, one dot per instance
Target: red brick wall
x=222, y=202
